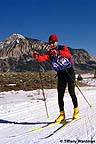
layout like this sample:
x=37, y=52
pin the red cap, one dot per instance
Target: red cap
x=53, y=37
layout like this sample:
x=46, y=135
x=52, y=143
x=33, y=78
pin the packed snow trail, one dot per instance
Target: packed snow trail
x=23, y=111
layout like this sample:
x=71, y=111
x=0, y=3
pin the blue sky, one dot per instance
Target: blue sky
x=74, y=21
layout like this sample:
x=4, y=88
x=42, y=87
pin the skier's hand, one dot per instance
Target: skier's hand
x=54, y=52
x=35, y=55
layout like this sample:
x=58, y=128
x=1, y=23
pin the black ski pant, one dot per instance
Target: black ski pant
x=66, y=78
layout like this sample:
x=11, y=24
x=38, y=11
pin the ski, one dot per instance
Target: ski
x=48, y=125
x=63, y=124
x=42, y=127
x=68, y=123
x=37, y=129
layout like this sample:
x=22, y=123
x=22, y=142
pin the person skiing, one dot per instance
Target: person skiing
x=61, y=60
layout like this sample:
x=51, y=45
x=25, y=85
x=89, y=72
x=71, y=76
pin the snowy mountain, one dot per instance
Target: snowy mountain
x=16, y=54
x=23, y=114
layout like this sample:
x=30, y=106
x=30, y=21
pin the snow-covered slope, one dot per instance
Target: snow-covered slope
x=23, y=111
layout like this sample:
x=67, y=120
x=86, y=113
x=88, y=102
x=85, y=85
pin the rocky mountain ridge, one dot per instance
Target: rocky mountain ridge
x=16, y=54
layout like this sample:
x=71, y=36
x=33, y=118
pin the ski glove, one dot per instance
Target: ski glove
x=54, y=52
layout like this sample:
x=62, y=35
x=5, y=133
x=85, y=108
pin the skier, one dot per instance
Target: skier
x=65, y=73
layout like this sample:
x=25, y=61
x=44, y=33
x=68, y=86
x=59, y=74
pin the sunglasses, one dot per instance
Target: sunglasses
x=52, y=42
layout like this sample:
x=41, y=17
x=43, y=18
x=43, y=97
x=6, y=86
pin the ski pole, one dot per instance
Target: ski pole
x=79, y=89
x=43, y=90
x=41, y=85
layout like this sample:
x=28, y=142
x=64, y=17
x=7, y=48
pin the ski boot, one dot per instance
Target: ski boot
x=76, y=114
x=61, y=117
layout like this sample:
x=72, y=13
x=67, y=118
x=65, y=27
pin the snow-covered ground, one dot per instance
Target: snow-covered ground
x=23, y=111
x=88, y=79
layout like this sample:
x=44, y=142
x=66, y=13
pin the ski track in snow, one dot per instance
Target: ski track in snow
x=21, y=112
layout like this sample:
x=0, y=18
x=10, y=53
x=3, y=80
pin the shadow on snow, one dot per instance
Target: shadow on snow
x=22, y=123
